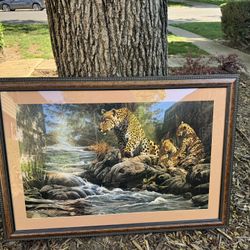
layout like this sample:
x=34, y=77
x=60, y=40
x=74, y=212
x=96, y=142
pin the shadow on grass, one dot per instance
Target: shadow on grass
x=35, y=28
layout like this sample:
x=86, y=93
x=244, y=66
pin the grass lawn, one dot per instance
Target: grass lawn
x=217, y=2
x=177, y=4
x=31, y=40
x=178, y=46
x=211, y=30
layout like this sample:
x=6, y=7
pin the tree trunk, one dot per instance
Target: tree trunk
x=101, y=38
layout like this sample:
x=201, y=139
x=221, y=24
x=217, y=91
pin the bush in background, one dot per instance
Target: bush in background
x=1, y=38
x=236, y=22
x=213, y=65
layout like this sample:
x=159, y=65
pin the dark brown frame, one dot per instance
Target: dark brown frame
x=230, y=82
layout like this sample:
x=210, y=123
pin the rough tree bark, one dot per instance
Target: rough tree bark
x=109, y=37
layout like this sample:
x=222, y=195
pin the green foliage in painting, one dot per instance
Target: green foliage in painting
x=33, y=174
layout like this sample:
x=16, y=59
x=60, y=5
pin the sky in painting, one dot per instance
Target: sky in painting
x=55, y=118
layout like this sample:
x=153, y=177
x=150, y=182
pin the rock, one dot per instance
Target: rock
x=36, y=214
x=200, y=200
x=152, y=187
x=142, y=172
x=64, y=179
x=160, y=179
x=126, y=174
x=112, y=158
x=174, y=171
x=37, y=201
x=187, y=195
x=46, y=188
x=150, y=160
x=81, y=174
x=80, y=191
x=79, y=203
x=33, y=193
x=175, y=185
x=49, y=208
x=57, y=192
x=198, y=174
x=201, y=189
x=72, y=195
x=97, y=172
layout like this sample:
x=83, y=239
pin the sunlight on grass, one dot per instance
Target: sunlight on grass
x=210, y=30
x=178, y=46
x=32, y=40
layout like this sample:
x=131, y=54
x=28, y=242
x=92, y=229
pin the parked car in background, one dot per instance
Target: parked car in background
x=12, y=5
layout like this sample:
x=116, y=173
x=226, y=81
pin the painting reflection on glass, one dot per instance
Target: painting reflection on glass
x=106, y=158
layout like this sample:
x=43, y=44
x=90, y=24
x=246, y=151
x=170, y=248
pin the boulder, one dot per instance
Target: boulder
x=198, y=174
x=201, y=189
x=112, y=158
x=97, y=172
x=200, y=200
x=72, y=195
x=127, y=174
x=187, y=195
x=37, y=208
x=114, y=171
x=175, y=185
x=64, y=179
x=57, y=192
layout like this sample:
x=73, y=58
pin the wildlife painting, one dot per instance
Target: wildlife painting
x=106, y=158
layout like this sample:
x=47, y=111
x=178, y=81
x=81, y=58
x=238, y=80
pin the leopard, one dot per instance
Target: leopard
x=169, y=159
x=167, y=151
x=168, y=147
x=191, y=151
x=131, y=137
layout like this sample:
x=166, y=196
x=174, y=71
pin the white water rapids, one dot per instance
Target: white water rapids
x=69, y=159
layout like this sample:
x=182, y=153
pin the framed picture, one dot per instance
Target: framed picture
x=84, y=157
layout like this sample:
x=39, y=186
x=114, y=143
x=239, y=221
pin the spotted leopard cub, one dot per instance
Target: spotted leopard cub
x=128, y=130
x=169, y=159
x=167, y=151
x=191, y=151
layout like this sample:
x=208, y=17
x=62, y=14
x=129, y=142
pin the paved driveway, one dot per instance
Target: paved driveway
x=196, y=13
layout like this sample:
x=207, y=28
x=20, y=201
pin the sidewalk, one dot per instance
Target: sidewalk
x=42, y=67
x=25, y=67
x=210, y=46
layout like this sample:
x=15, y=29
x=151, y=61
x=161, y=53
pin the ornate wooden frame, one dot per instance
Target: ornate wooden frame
x=229, y=82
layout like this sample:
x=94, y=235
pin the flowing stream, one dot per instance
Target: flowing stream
x=68, y=159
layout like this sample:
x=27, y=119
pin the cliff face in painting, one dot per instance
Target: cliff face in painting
x=81, y=159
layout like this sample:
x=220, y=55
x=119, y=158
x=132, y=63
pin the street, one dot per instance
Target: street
x=197, y=13
x=23, y=16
